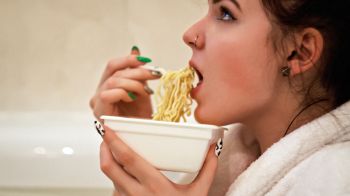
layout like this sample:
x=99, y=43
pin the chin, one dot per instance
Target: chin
x=204, y=118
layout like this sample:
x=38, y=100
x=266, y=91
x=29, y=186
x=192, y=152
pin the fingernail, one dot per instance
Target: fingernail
x=135, y=48
x=156, y=73
x=148, y=90
x=143, y=59
x=218, y=147
x=99, y=128
x=132, y=95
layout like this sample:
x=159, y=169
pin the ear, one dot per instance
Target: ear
x=309, y=49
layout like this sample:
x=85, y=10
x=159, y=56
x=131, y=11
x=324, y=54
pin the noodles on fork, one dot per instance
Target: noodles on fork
x=174, y=93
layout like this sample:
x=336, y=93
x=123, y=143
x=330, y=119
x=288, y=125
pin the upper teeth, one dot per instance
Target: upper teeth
x=196, y=79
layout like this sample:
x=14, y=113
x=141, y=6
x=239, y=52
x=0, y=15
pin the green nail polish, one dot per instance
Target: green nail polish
x=135, y=48
x=143, y=59
x=132, y=95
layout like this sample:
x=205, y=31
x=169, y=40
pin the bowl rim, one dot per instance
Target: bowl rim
x=157, y=122
x=184, y=130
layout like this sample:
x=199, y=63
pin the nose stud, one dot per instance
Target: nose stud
x=194, y=43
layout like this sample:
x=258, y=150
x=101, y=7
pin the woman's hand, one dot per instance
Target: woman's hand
x=132, y=175
x=123, y=89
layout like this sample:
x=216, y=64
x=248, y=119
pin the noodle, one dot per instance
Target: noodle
x=174, y=92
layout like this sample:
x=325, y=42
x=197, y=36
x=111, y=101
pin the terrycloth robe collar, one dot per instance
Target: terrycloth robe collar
x=261, y=176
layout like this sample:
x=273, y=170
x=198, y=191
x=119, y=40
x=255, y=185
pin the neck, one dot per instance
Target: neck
x=275, y=121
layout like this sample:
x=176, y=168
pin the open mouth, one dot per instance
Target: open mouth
x=198, y=78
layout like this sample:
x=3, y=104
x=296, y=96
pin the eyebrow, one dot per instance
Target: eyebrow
x=233, y=1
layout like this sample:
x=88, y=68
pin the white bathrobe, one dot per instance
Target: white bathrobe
x=312, y=160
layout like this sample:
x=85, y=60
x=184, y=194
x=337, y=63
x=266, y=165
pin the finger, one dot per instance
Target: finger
x=126, y=84
x=92, y=102
x=123, y=63
x=139, y=168
x=116, y=193
x=206, y=175
x=112, y=96
x=135, y=50
x=115, y=172
x=138, y=74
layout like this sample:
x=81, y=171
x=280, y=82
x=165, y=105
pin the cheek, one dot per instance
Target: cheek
x=234, y=97
x=244, y=70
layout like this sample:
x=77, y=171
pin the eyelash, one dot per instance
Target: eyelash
x=224, y=13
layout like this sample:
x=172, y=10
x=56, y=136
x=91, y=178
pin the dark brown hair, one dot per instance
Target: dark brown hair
x=331, y=18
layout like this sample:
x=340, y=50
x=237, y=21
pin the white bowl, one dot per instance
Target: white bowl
x=168, y=146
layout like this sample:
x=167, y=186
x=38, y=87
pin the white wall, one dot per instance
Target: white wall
x=52, y=53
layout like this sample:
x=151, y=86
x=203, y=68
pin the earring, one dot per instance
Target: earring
x=285, y=71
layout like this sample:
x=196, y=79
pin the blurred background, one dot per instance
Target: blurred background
x=52, y=54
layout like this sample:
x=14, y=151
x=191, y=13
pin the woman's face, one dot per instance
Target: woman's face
x=234, y=56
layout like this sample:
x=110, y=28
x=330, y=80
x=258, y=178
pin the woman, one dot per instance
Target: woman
x=282, y=71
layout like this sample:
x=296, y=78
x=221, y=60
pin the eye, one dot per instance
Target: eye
x=225, y=14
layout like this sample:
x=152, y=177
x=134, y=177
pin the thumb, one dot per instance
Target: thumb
x=135, y=51
x=206, y=175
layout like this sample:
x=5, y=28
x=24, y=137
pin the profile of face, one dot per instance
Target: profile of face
x=233, y=54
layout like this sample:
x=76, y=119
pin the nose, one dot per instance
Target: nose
x=194, y=36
